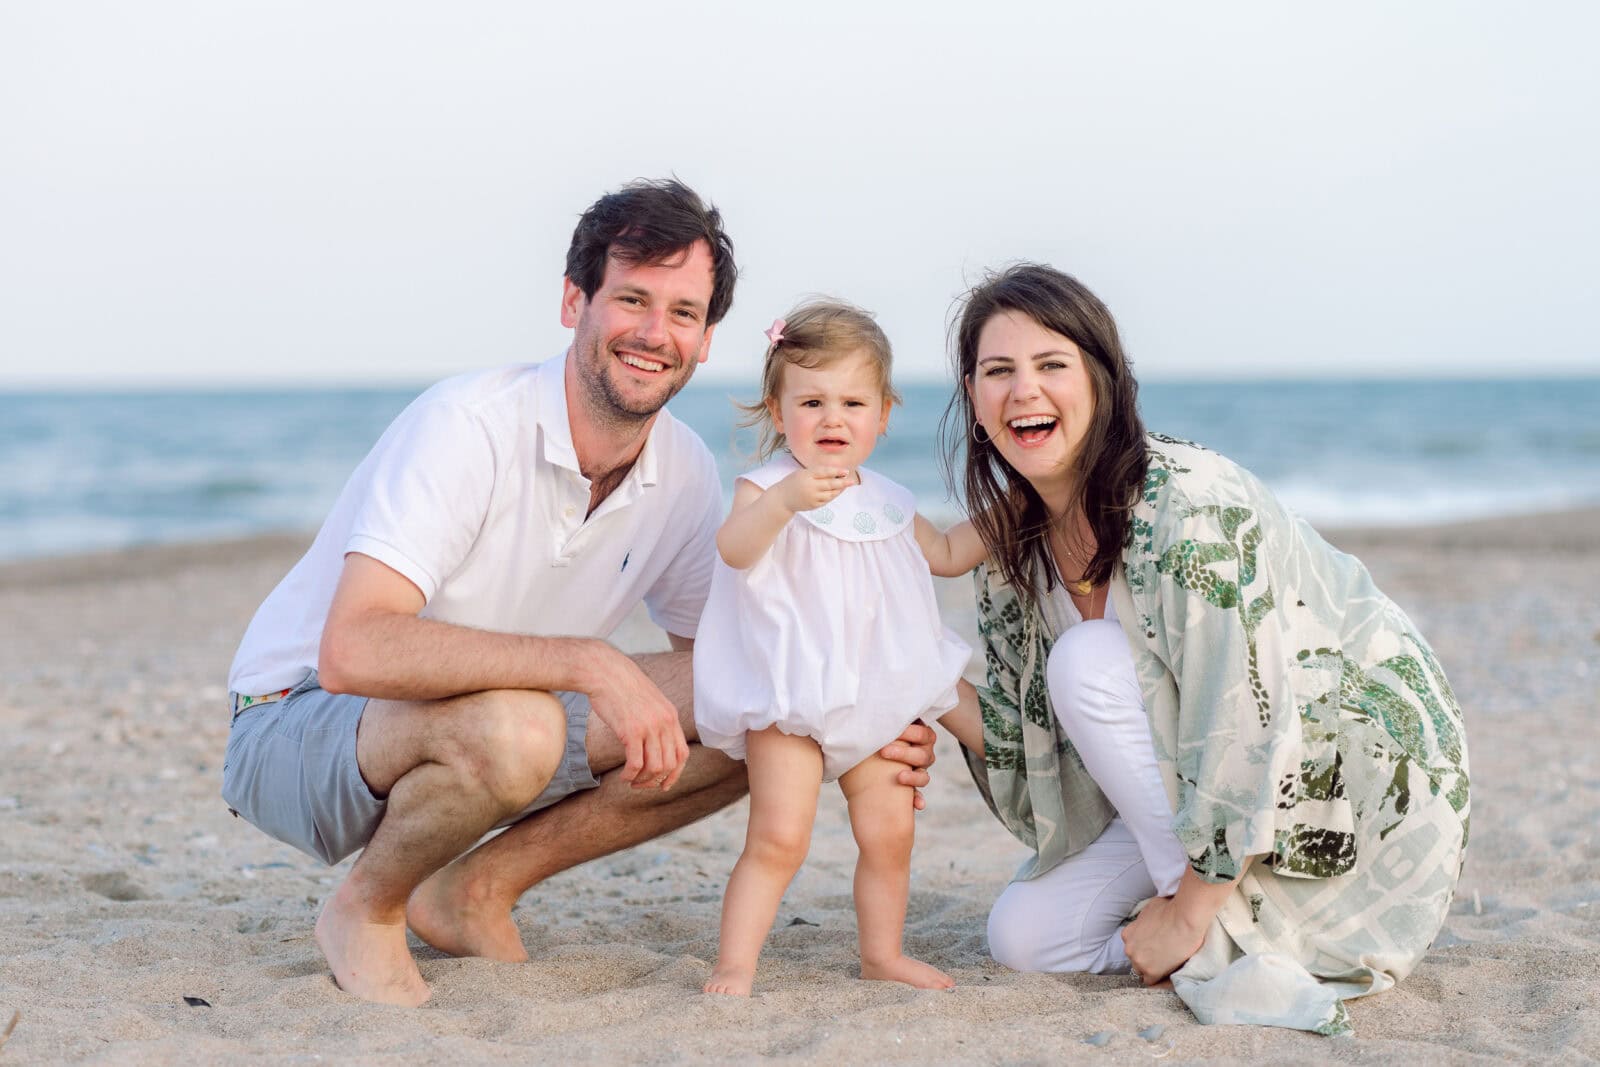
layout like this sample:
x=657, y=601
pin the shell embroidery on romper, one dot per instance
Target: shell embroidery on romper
x=871, y=510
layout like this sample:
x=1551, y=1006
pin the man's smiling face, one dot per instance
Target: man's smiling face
x=638, y=339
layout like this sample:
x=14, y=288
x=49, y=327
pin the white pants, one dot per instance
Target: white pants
x=1070, y=918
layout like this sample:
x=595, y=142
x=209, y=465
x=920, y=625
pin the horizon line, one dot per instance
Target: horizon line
x=290, y=385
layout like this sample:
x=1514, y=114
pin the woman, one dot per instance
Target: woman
x=1193, y=700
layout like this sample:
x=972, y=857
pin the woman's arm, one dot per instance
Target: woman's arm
x=953, y=552
x=758, y=516
x=1171, y=929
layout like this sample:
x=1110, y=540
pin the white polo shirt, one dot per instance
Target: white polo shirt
x=474, y=494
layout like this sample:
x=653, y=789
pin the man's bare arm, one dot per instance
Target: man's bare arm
x=374, y=644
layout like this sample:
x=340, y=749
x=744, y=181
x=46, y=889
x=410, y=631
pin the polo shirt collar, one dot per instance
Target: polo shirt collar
x=555, y=428
x=555, y=425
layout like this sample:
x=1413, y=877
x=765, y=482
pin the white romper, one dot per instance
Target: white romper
x=834, y=634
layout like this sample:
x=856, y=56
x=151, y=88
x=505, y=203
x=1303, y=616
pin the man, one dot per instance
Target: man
x=434, y=667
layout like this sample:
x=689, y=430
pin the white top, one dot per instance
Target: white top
x=834, y=634
x=1061, y=612
x=474, y=494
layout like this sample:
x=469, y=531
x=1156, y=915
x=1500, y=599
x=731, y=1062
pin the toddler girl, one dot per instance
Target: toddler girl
x=821, y=641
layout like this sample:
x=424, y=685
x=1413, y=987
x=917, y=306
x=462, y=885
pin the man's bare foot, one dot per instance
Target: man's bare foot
x=730, y=980
x=369, y=959
x=459, y=917
x=911, y=972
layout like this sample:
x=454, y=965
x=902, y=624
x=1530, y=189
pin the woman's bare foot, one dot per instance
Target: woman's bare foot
x=731, y=981
x=459, y=917
x=369, y=959
x=911, y=972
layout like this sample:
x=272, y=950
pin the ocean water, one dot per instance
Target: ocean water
x=88, y=471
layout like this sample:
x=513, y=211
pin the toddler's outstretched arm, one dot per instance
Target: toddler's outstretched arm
x=953, y=552
x=758, y=516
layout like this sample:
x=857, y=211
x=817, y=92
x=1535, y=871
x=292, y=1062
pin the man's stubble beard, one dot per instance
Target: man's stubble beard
x=606, y=402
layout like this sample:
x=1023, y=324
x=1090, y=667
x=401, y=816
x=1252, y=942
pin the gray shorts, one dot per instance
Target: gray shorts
x=291, y=770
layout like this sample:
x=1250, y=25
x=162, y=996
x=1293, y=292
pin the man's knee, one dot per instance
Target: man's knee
x=510, y=742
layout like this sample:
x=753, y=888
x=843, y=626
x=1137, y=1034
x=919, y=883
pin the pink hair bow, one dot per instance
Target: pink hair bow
x=775, y=332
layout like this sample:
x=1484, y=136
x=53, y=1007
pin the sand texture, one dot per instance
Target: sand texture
x=126, y=887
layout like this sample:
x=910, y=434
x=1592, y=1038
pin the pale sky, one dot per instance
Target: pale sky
x=313, y=192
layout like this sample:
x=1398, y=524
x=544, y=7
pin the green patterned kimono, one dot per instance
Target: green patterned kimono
x=1298, y=717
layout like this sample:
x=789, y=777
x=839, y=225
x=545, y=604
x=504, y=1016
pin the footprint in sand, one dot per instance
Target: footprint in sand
x=114, y=885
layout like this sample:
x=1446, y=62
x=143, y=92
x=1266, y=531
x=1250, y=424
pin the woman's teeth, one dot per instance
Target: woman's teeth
x=1032, y=428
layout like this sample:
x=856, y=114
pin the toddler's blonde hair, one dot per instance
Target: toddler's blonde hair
x=815, y=334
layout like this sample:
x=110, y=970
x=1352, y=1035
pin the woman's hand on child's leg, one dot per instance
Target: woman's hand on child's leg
x=914, y=749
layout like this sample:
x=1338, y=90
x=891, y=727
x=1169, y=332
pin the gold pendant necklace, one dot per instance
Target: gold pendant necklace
x=1083, y=586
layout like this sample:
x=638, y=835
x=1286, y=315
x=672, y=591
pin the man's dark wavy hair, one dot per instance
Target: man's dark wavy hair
x=648, y=222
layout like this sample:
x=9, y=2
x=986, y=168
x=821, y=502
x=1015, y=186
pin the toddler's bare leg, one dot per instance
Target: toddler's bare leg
x=965, y=720
x=785, y=775
x=883, y=822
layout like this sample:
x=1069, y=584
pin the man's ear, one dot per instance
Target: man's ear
x=573, y=303
x=705, y=345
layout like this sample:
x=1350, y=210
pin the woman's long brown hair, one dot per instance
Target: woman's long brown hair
x=1110, y=464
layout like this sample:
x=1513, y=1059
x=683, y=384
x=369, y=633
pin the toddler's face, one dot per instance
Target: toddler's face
x=832, y=415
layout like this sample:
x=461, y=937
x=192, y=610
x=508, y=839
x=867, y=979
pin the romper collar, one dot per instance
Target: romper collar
x=875, y=510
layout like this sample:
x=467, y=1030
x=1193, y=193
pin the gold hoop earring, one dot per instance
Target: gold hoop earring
x=976, y=426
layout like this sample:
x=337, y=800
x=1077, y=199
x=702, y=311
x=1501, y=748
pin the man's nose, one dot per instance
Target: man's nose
x=653, y=327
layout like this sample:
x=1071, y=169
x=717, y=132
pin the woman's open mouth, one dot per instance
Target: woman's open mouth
x=1032, y=430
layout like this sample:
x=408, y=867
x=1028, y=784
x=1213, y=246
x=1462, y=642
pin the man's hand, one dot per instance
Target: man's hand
x=811, y=488
x=914, y=748
x=624, y=698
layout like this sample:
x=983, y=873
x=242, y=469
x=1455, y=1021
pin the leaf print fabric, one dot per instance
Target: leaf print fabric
x=1297, y=715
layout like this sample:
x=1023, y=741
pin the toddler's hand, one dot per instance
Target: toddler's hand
x=812, y=488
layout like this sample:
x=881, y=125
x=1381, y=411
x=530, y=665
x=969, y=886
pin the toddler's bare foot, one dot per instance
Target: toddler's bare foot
x=731, y=981
x=911, y=972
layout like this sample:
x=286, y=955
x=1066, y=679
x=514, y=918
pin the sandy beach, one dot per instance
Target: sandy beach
x=141, y=923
